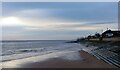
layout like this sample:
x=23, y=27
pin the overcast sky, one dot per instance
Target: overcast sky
x=57, y=21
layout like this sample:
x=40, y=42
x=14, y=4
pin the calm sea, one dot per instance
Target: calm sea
x=13, y=50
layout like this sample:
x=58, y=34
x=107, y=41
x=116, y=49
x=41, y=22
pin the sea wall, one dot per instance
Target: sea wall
x=94, y=39
x=112, y=39
x=105, y=39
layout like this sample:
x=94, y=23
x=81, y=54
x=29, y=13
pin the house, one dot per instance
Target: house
x=108, y=35
x=94, y=37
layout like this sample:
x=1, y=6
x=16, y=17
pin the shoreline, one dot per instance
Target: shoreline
x=88, y=61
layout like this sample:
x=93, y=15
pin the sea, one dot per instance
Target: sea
x=27, y=51
x=14, y=50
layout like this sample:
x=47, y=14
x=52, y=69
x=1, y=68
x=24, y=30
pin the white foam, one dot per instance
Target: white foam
x=19, y=62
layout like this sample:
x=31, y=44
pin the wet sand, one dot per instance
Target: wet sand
x=87, y=61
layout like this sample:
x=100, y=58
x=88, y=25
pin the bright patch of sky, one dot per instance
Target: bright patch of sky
x=57, y=20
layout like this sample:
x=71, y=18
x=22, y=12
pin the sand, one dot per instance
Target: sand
x=88, y=61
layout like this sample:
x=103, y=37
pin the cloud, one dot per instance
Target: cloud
x=57, y=20
x=37, y=24
x=34, y=13
x=64, y=11
x=52, y=24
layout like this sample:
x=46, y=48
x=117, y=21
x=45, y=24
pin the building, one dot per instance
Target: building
x=108, y=35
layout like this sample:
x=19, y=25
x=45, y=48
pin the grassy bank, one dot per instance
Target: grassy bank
x=101, y=43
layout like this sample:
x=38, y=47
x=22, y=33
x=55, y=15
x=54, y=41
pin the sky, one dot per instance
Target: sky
x=56, y=20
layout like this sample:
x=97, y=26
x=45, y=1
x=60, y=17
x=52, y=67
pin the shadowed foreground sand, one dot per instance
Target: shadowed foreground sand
x=88, y=61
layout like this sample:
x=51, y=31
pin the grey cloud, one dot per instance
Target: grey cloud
x=85, y=24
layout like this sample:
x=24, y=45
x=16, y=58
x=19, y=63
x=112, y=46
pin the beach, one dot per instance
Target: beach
x=87, y=61
x=49, y=54
x=60, y=34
